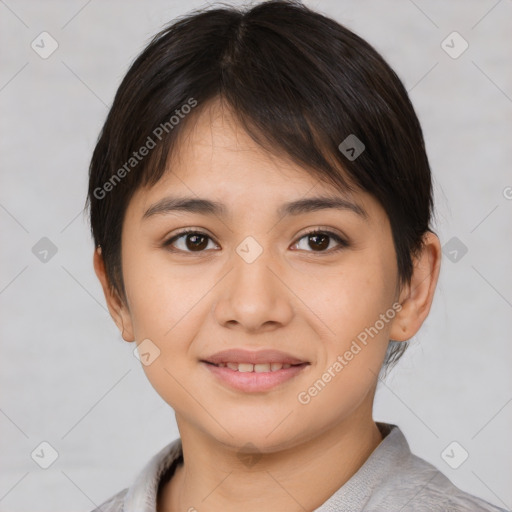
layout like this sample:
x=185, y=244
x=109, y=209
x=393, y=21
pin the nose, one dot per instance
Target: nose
x=253, y=297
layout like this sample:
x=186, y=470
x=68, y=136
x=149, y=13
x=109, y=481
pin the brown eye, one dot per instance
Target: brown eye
x=196, y=242
x=189, y=241
x=319, y=241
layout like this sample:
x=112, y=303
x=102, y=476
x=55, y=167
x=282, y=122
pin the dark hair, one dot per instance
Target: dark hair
x=299, y=83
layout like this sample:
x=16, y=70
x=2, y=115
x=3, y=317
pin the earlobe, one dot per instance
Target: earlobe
x=117, y=309
x=416, y=298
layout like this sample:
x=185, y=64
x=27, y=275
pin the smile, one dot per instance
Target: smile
x=257, y=368
x=254, y=378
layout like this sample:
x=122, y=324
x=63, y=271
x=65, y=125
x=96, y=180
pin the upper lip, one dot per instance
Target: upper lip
x=235, y=355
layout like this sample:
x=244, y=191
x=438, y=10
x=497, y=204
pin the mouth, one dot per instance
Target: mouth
x=253, y=357
x=251, y=371
x=255, y=368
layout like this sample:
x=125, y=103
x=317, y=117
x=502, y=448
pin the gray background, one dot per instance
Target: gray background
x=67, y=377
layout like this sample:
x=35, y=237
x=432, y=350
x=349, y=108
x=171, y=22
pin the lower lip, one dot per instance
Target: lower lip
x=253, y=382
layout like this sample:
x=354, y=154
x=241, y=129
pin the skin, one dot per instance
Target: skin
x=308, y=302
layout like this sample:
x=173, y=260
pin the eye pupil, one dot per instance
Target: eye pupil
x=194, y=246
x=321, y=244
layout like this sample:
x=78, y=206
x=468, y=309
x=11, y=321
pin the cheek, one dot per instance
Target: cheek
x=168, y=305
x=351, y=297
x=355, y=303
x=158, y=294
x=166, y=310
x=351, y=305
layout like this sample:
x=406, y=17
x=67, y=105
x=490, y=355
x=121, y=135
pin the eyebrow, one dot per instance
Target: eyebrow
x=210, y=207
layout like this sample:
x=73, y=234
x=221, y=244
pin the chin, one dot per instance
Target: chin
x=262, y=437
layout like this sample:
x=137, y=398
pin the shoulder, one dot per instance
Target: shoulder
x=113, y=504
x=144, y=489
x=393, y=478
x=418, y=486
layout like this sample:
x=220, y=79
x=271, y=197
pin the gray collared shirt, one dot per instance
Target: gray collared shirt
x=392, y=479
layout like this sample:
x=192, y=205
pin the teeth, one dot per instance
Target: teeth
x=263, y=367
x=257, y=368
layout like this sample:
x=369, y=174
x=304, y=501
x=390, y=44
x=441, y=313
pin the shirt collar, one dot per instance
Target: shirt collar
x=392, y=451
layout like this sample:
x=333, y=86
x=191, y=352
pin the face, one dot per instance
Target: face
x=308, y=283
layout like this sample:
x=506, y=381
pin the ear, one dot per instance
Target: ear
x=118, y=309
x=416, y=298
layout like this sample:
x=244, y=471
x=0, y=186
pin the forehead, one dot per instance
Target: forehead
x=215, y=142
x=216, y=158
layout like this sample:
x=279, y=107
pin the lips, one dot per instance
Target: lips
x=248, y=361
x=257, y=368
x=254, y=371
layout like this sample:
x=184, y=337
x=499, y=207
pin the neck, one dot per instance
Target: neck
x=213, y=476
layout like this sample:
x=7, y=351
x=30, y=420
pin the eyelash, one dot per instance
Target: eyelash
x=342, y=242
